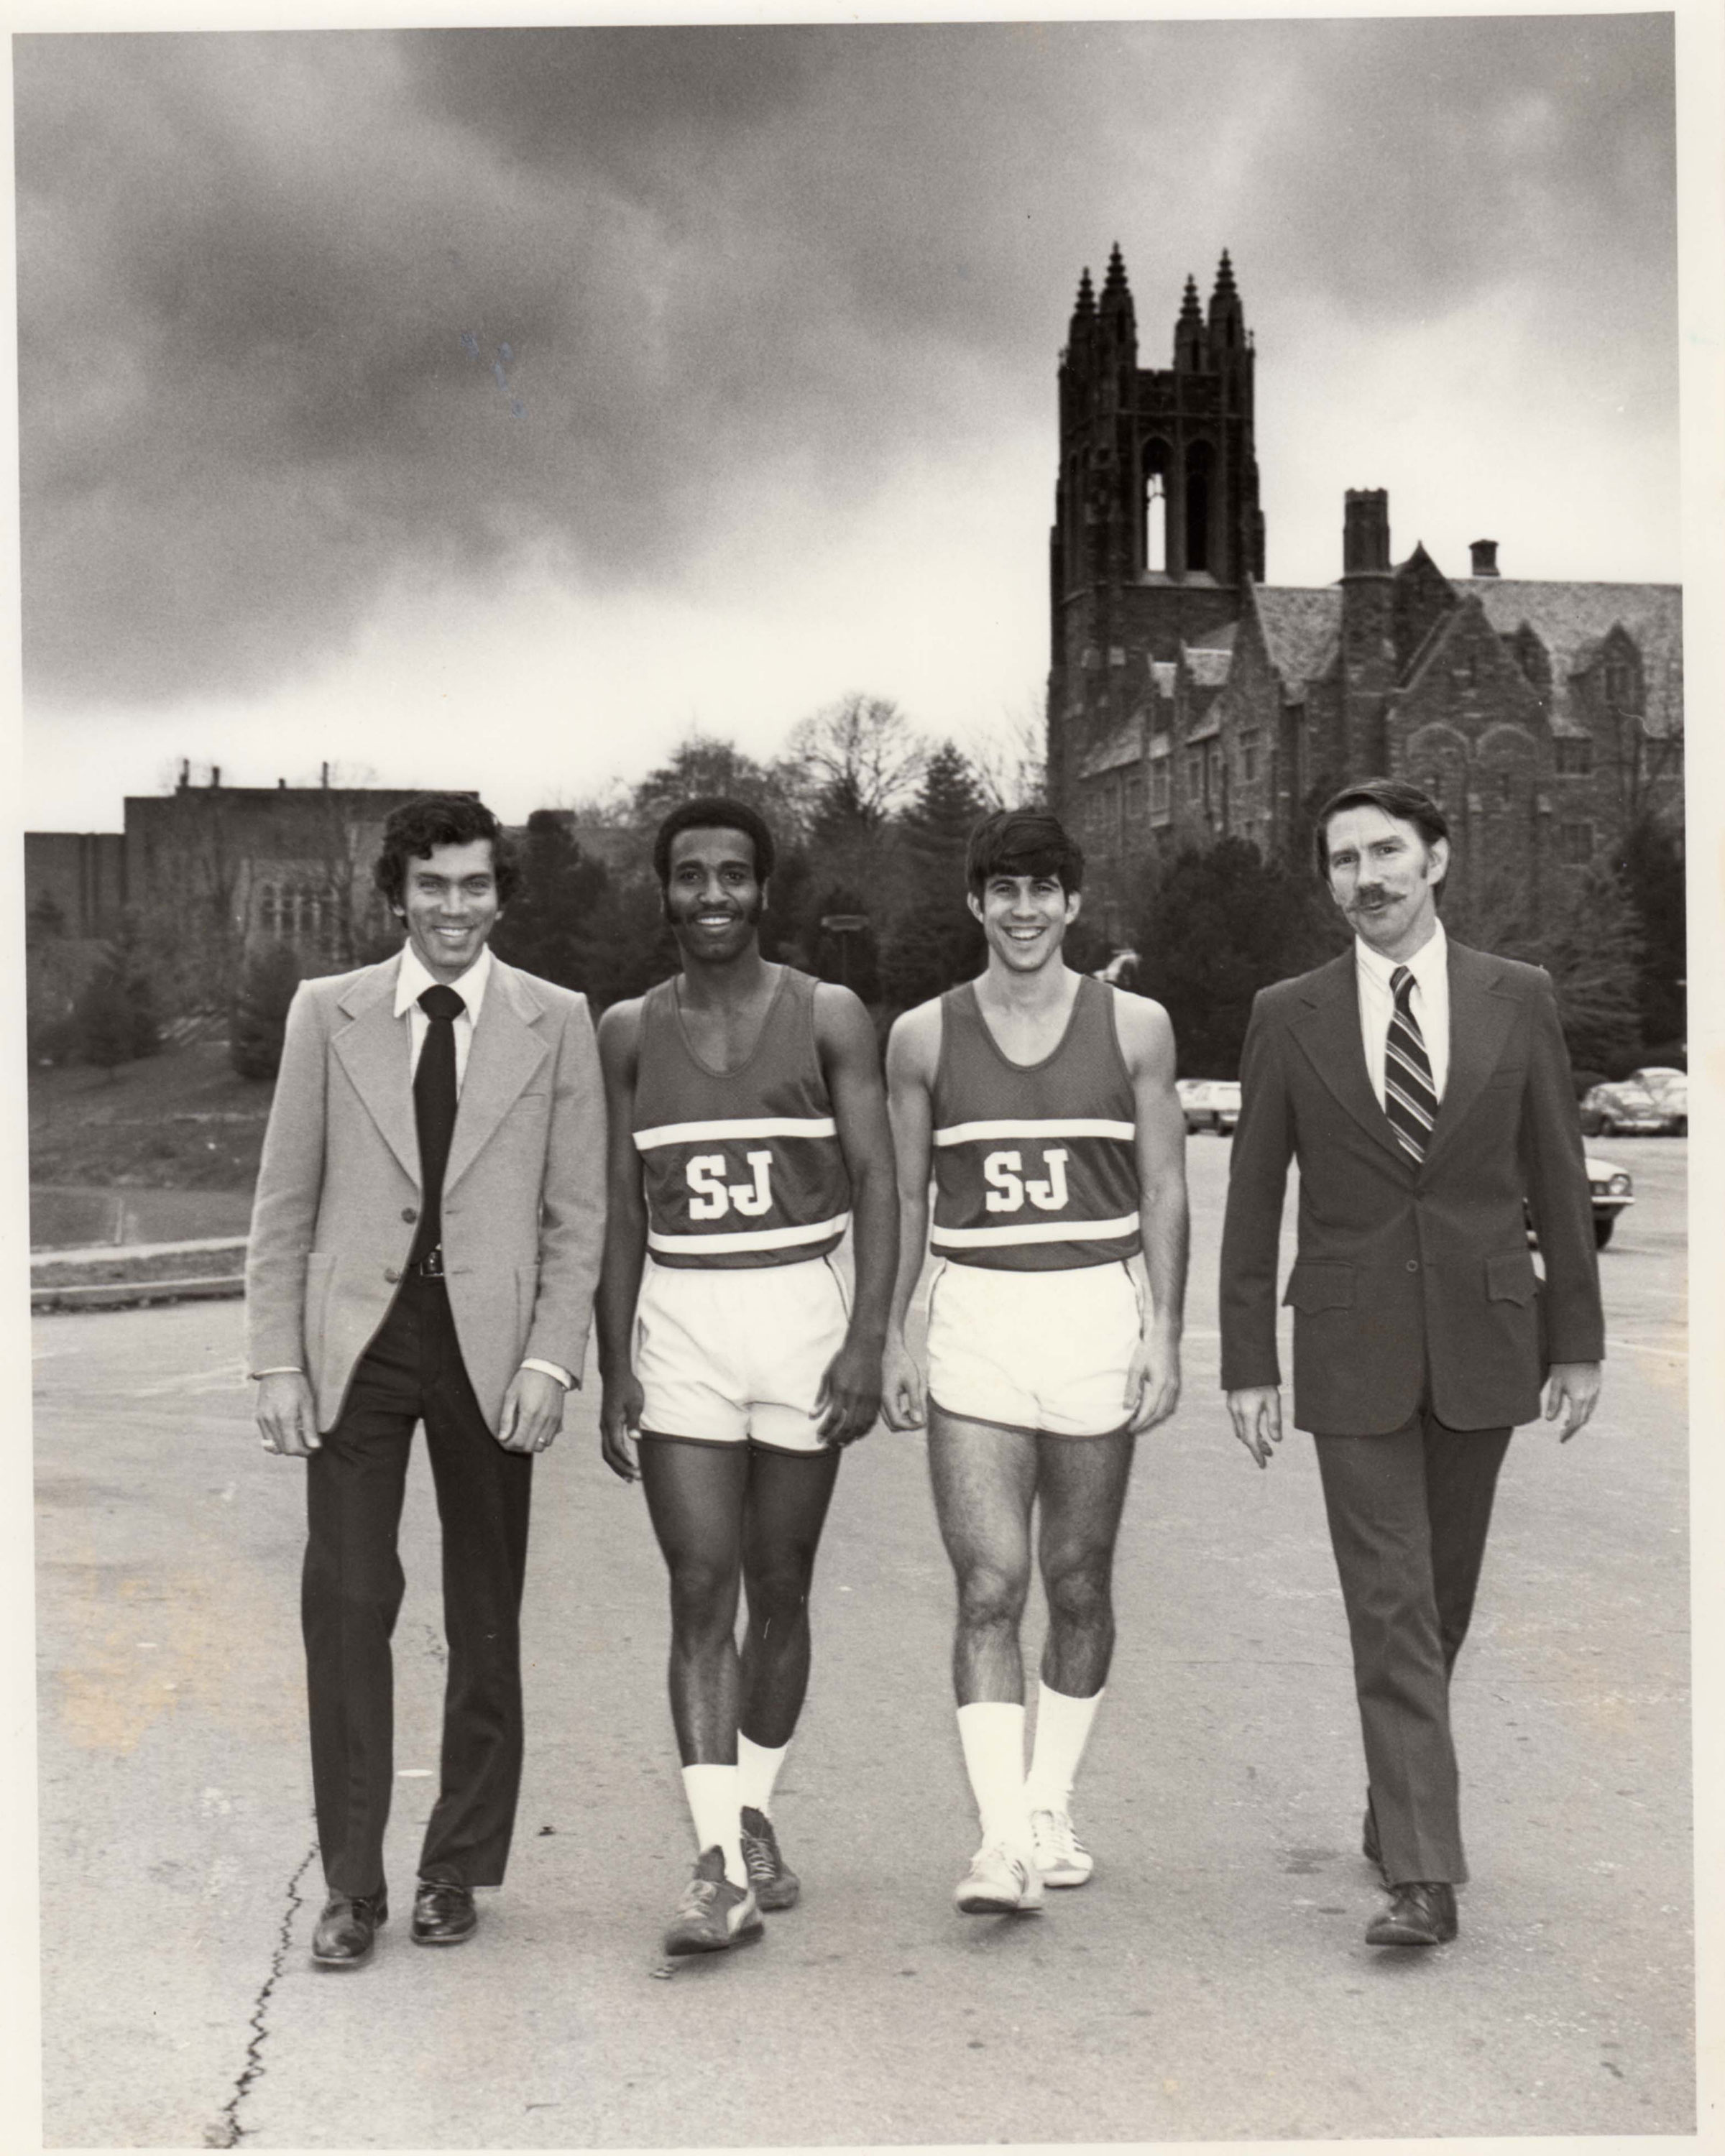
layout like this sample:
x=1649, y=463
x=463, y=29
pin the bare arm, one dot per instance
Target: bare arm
x=1147, y=1041
x=625, y=1242
x=912, y=1052
x=850, y=1062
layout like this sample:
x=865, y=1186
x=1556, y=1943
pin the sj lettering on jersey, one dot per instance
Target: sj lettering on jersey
x=1008, y=1187
x=711, y=1196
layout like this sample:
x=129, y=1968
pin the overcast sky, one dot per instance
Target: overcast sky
x=490, y=408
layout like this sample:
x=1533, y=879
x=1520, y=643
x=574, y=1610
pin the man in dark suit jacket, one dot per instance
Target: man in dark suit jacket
x=1424, y=1089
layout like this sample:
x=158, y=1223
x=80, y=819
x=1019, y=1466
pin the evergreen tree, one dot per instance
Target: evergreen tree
x=934, y=942
x=259, y=1024
x=1651, y=866
x=1215, y=926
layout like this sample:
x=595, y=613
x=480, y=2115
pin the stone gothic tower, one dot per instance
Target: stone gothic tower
x=1156, y=524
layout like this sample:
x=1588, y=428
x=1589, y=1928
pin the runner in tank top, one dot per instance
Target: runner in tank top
x=747, y=1130
x=1043, y=1103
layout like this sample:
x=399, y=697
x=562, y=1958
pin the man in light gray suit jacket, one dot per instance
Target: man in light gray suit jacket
x=425, y=1246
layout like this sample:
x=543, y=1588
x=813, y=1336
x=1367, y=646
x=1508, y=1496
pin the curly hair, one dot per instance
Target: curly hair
x=714, y=812
x=418, y=827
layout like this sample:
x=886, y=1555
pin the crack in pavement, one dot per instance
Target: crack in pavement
x=225, y=2130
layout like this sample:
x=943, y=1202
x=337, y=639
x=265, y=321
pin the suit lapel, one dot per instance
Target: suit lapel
x=1480, y=1022
x=1329, y=1032
x=508, y=1047
x=374, y=1051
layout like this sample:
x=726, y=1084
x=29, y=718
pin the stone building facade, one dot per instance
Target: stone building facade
x=1188, y=700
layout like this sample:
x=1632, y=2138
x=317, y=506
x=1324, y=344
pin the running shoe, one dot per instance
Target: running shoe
x=712, y=1914
x=776, y=1886
x=1061, y=1857
x=1000, y=1882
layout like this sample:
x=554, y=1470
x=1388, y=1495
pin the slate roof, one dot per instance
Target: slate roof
x=1124, y=746
x=1572, y=620
x=1301, y=627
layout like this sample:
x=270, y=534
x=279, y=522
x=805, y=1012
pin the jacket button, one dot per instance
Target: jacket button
x=409, y=1214
x=1413, y=1264
x=391, y=1274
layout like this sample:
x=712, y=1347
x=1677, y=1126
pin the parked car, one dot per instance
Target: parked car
x=1611, y=1188
x=1210, y=1104
x=1654, y=1102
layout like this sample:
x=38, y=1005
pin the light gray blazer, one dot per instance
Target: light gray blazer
x=338, y=1189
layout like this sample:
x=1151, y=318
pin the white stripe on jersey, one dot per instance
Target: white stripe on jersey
x=1032, y=1231
x=1052, y=1126
x=746, y=1238
x=738, y=1127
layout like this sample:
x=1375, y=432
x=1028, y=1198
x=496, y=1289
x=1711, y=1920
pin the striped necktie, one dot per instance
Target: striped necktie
x=1409, y=1097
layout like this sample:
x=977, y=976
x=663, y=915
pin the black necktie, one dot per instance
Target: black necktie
x=434, y=1111
x=1409, y=1096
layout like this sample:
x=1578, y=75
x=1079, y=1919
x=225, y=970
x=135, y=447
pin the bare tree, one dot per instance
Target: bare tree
x=859, y=757
x=1010, y=758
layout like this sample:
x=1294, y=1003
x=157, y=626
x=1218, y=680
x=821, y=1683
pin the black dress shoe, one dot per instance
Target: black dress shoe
x=444, y=1914
x=1368, y=1847
x=1421, y=1913
x=348, y=1930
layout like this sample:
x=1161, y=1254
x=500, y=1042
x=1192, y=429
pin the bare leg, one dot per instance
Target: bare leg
x=784, y=1509
x=694, y=1498
x=984, y=1480
x=1081, y=1484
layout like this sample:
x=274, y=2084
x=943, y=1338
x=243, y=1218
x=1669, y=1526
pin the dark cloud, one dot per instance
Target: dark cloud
x=303, y=317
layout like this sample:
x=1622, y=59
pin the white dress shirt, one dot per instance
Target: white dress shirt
x=411, y=983
x=1430, y=1002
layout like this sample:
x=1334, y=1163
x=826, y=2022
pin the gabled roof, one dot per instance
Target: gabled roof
x=1300, y=627
x=1572, y=620
x=1207, y=664
x=1124, y=746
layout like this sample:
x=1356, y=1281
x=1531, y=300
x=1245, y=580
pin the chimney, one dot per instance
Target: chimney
x=185, y=772
x=281, y=784
x=215, y=776
x=1484, y=556
x=324, y=776
x=1365, y=532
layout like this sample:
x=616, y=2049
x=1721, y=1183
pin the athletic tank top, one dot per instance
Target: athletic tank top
x=742, y=1168
x=1035, y=1167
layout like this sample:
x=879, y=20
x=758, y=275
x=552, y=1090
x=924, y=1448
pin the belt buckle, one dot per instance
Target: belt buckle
x=431, y=1265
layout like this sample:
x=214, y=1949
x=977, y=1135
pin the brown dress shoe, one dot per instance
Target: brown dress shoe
x=348, y=1930
x=1421, y=1913
x=444, y=1914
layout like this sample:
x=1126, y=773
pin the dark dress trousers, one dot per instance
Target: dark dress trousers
x=1422, y=1333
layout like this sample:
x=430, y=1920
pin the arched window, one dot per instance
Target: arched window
x=1200, y=460
x=1156, y=470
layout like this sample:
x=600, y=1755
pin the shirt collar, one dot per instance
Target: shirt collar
x=1428, y=963
x=413, y=980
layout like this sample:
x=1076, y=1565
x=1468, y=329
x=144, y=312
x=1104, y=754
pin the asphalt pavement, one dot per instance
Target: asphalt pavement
x=1211, y=1982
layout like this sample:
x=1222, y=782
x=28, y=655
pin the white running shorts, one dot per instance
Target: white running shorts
x=1046, y=1351
x=726, y=1356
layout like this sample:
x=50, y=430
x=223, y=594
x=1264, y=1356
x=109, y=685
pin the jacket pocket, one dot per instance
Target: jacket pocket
x=1510, y=1277
x=1321, y=1284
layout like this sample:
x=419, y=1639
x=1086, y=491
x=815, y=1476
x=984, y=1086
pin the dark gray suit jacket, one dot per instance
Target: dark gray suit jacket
x=1413, y=1284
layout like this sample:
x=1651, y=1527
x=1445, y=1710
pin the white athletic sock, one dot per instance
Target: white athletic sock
x=1062, y=1731
x=991, y=1732
x=712, y=1791
x=758, y=1767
